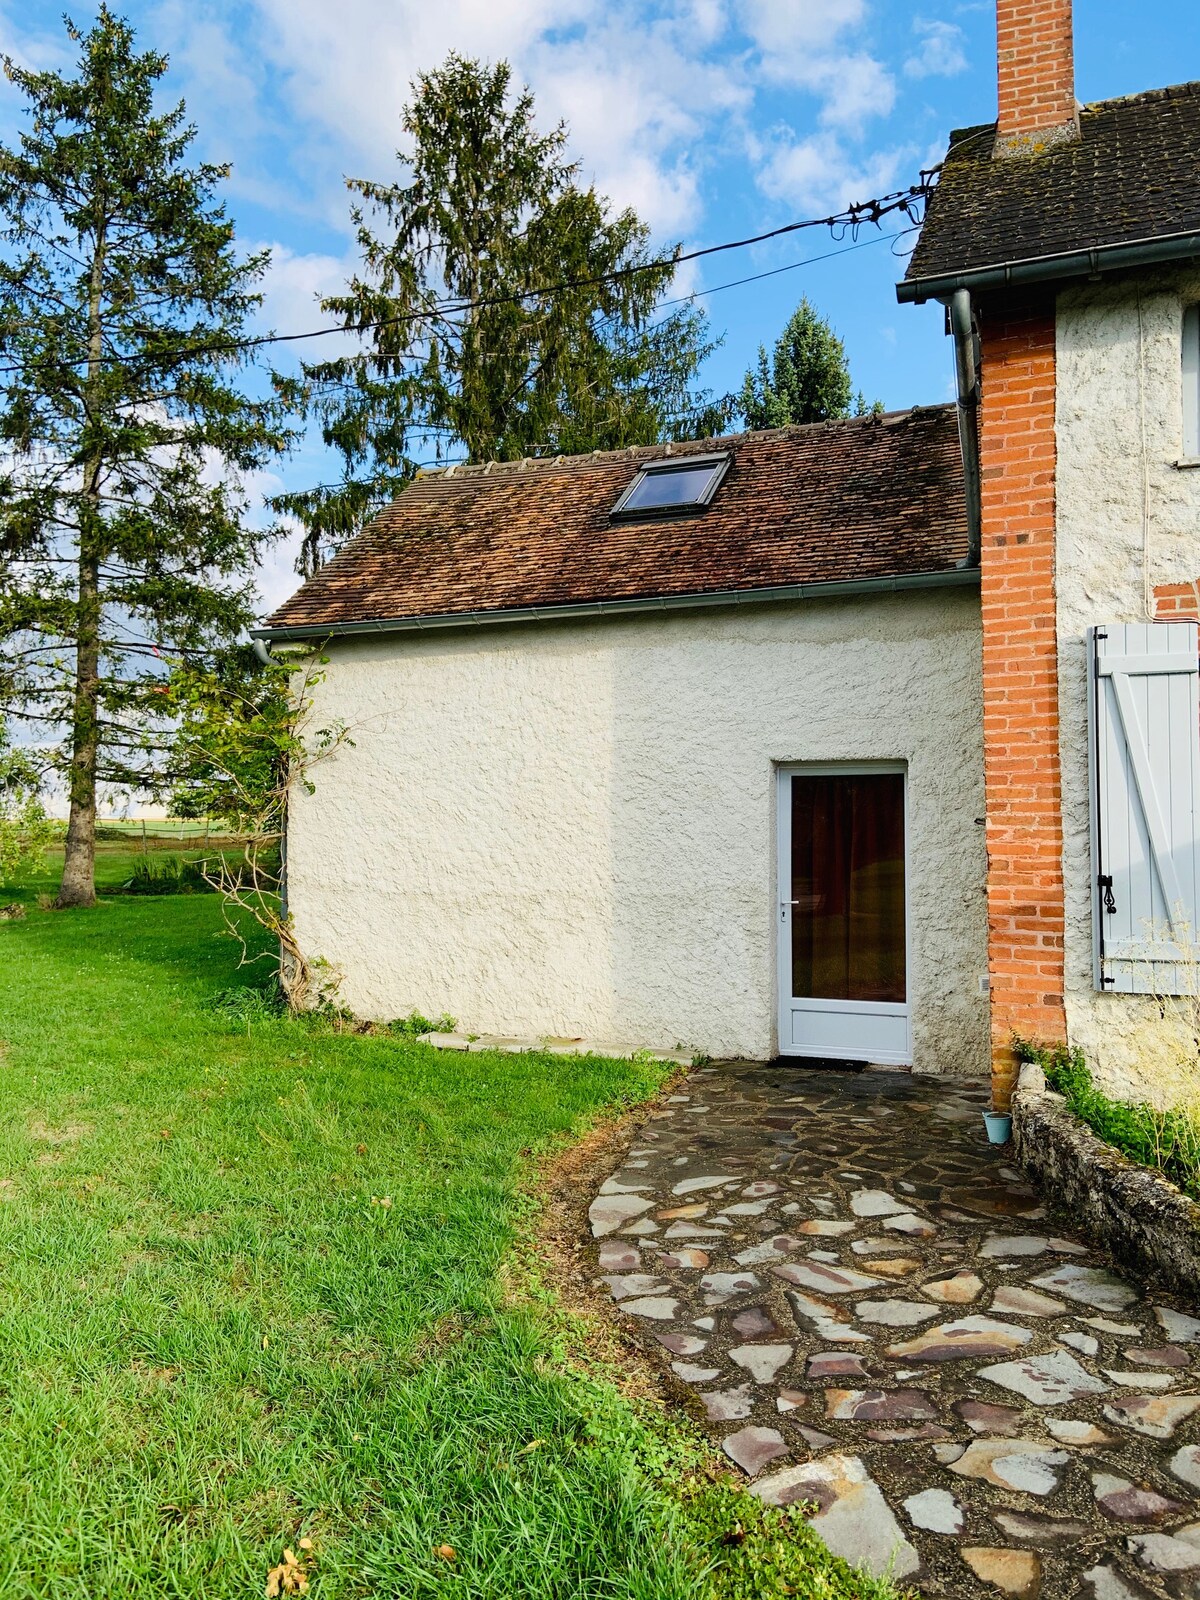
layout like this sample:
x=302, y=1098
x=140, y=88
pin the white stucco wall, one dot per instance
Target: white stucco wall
x=569, y=829
x=1128, y=518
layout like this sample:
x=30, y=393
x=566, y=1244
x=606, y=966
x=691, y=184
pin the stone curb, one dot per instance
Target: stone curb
x=1141, y=1216
x=514, y=1044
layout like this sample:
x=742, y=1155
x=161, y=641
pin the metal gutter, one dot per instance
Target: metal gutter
x=954, y=578
x=1070, y=264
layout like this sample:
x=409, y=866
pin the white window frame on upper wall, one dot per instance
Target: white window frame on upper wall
x=1191, y=383
x=1144, y=744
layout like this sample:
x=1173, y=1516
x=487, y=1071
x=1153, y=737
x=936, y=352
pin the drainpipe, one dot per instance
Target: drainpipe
x=262, y=651
x=966, y=368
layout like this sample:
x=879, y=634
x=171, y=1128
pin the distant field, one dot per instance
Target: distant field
x=166, y=834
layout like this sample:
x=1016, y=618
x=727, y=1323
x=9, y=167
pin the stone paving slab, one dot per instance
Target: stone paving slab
x=518, y=1044
x=876, y=1316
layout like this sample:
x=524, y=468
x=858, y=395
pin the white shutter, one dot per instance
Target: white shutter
x=1145, y=720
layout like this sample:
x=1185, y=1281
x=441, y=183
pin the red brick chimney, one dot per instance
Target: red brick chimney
x=1036, y=59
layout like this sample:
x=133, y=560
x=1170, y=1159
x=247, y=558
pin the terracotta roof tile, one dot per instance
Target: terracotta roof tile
x=1132, y=175
x=867, y=498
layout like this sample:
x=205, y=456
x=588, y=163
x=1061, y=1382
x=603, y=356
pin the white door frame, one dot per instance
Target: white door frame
x=867, y=1009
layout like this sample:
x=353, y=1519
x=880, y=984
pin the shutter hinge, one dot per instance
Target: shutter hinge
x=1105, y=882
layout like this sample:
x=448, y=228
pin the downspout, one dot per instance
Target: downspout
x=263, y=653
x=966, y=370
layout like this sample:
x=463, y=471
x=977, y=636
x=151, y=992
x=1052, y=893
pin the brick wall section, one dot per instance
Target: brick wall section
x=1035, y=55
x=1020, y=682
x=1177, y=602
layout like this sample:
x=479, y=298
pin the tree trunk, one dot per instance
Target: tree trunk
x=78, y=887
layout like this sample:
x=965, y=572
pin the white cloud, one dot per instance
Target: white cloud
x=275, y=575
x=854, y=88
x=939, y=53
x=816, y=175
x=790, y=36
x=815, y=48
x=292, y=291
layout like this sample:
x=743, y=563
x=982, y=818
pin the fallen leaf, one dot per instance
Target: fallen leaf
x=289, y=1577
x=385, y=1202
x=360, y=1149
x=447, y=1552
x=266, y=1341
x=534, y=1444
x=164, y=1133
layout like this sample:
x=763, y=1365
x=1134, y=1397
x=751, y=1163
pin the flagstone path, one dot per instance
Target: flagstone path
x=875, y=1314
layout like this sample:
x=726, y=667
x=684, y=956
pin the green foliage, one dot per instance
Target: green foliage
x=239, y=738
x=246, y=1003
x=167, y=875
x=414, y=1025
x=124, y=534
x=805, y=379
x=489, y=208
x=25, y=830
x=1166, y=1140
x=243, y=740
x=757, y=1551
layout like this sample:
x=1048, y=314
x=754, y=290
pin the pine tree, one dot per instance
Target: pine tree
x=805, y=379
x=123, y=531
x=487, y=215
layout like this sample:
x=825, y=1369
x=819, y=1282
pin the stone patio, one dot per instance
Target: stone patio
x=876, y=1315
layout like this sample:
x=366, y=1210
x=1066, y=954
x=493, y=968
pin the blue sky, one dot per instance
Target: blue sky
x=714, y=118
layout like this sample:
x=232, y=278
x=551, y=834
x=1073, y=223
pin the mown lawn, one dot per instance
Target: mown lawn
x=249, y=1294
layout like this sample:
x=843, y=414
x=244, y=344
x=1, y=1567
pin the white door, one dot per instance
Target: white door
x=843, y=914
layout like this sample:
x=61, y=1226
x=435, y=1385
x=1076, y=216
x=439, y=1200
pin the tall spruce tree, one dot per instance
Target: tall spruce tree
x=124, y=428
x=806, y=377
x=487, y=215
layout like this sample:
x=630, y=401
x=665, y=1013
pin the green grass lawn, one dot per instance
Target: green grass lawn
x=249, y=1294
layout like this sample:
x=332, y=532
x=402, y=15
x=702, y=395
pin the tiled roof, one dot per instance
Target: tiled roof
x=874, y=497
x=1132, y=175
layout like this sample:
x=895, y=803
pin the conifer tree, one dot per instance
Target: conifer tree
x=123, y=426
x=806, y=377
x=488, y=214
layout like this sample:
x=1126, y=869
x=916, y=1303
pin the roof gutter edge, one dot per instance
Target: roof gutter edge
x=1037, y=269
x=954, y=578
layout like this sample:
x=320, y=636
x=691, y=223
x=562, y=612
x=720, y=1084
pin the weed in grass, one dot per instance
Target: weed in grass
x=414, y=1025
x=245, y=1004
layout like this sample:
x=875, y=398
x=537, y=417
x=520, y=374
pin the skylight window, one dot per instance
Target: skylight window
x=672, y=488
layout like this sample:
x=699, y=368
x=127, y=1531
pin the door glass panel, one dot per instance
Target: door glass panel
x=848, y=887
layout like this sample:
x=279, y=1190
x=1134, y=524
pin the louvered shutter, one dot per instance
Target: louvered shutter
x=1145, y=727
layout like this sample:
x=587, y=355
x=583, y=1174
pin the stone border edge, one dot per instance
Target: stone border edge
x=1141, y=1216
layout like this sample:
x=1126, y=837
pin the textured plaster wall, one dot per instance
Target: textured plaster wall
x=569, y=829
x=1128, y=519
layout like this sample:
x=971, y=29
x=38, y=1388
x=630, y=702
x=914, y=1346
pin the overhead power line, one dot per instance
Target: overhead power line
x=868, y=212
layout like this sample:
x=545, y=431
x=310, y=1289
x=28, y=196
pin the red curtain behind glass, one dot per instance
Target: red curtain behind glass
x=848, y=887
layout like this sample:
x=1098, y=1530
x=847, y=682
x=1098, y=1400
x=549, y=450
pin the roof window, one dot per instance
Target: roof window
x=673, y=487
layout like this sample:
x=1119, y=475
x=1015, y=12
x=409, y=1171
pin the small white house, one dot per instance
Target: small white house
x=661, y=747
x=876, y=740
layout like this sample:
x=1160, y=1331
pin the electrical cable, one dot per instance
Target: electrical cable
x=850, y=220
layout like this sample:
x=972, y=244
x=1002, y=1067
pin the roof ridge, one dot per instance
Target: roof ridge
x=638, y=452
x=1169, y=91
x=974, y=132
